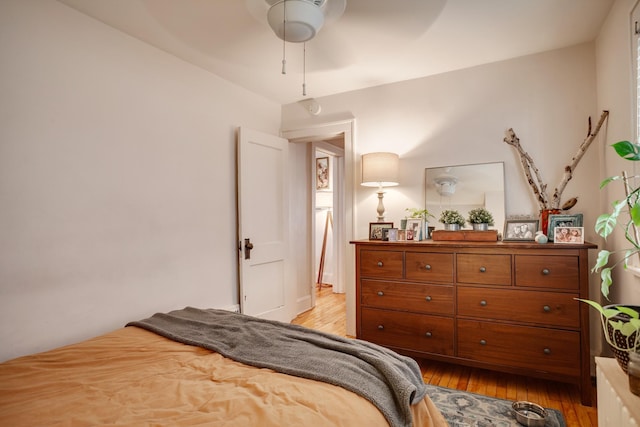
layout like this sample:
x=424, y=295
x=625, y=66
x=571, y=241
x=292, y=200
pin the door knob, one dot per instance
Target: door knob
x=247, y=248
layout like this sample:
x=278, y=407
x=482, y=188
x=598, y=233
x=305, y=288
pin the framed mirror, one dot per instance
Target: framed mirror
x=466, y=187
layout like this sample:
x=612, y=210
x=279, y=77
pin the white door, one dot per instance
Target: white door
x=262, y=226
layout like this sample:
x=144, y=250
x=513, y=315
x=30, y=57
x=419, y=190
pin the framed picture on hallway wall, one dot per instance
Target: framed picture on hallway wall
x=322, y=173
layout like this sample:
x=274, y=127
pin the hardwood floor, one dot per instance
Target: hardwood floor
x=329, y=316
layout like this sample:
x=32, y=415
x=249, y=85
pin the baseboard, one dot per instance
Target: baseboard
x=233, y=308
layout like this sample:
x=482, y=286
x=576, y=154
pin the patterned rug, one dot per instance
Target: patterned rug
x=464, y=409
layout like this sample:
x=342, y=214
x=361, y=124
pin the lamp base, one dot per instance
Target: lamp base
x=380, y=208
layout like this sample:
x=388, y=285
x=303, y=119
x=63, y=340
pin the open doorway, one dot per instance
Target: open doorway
x=327, y=218
x=305, y=141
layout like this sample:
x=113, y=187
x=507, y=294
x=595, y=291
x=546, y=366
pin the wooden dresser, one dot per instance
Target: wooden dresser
x=504, y=306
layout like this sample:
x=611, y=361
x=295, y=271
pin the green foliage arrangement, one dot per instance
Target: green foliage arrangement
x=480, y=216
x=419, y=213
x=451, y=216
x=625, y=214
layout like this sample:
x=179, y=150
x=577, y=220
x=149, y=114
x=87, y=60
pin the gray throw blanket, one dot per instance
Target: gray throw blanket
x=388, y=380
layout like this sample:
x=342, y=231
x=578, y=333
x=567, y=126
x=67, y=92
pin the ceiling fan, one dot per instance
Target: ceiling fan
x=297, y=21
x=350, y=28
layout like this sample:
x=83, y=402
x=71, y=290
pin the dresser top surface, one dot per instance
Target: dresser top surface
x=467, y=244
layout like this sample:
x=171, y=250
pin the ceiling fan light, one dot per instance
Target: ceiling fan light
x=303, y=20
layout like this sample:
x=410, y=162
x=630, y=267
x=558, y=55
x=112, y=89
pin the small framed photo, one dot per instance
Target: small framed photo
x=569, y=235
x=376, y=230
x=520, y=229
x=402, y=235
x=416, y=225
x=562, y=221
x=322, y=173
x=392, y=234
x=409, y=234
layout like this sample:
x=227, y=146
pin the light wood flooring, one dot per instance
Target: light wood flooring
x=329, y=315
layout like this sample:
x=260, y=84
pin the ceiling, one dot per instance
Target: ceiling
x=375, y=42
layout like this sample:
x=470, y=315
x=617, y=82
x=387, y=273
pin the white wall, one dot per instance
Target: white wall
x=461, y=117
x=117, y=178
x=615, y=93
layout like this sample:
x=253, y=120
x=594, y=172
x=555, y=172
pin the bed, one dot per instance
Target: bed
x=159, y=372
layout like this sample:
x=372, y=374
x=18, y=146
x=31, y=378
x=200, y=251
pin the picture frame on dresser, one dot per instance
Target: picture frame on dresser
x=569, y=235
x=561, y=220
x=376, y=230
x=416, y=225
x=523, y=230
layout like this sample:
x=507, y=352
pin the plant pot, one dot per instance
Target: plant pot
x=480, y=227
x=452, y=227
x=624, y=344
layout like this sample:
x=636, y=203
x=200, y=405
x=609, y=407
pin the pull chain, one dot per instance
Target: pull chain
x=304, y=70
x=284, y=37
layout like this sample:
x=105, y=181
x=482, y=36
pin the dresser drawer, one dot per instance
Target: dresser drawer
x=546, y=308
x=484, y=269
x=535, y=349
x=431, y=299
x=547, y=271
x=381, y=264
x=429, y=267
x=410, y=331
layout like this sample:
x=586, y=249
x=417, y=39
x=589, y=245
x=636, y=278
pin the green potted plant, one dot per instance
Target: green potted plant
x=419, y=213
x=480, y=219
x=452, y=219
x=620, y=322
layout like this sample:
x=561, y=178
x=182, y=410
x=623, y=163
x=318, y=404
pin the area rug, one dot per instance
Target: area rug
x=464, y=409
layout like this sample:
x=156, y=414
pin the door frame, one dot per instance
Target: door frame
x=318, y=132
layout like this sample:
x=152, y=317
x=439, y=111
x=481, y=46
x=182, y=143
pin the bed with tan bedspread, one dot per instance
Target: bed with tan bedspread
x=135, y=377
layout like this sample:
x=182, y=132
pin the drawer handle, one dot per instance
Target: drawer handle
x=483, y=303
x=380, y=293
x=547, y=351
x=428, y=335
x=483, y=342
x=427, y=267
x=428, y=298
x=546, y=309
x=483, y=270
x=546, y=271
x=380, y=327
x=380, y=264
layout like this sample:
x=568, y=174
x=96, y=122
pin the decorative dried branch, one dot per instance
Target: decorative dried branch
x=528, y=165
x=568, y=170
x=539, y=188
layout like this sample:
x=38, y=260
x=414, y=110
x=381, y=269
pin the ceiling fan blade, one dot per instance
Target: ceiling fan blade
x=391, y=19
x=333, y=10
x=368, y=28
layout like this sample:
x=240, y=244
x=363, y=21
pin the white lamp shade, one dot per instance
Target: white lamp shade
x=303, y=21
x=380, y=169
